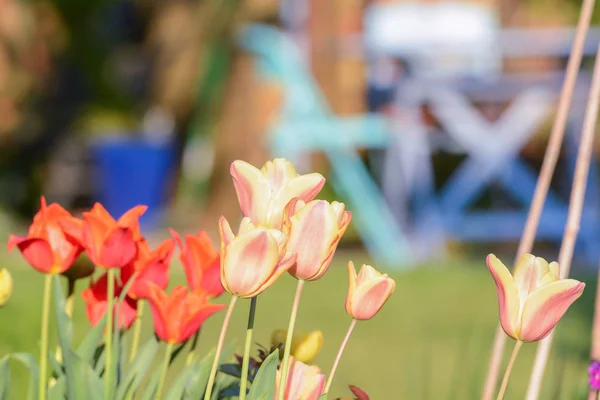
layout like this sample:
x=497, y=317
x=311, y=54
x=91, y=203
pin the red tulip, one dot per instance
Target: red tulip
x=110, y=243
x=179, y=315
x=149, y=266
x=96, y=303
x=47, y=247
x=201, y=262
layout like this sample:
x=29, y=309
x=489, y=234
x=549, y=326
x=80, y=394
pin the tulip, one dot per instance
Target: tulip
x=264, y=193
x=314, y=230
x=533, y=300
x=305, y=347
x=303, y=382
x=179, y=315
x=6, y=286
x=253, y=260
x=201, y=262
x=367, y=292
x=148, y=266
x=47, y=247
x=110, y=243
x=96, y=303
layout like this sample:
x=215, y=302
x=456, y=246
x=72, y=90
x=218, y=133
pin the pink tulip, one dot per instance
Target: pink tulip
x=264, y=193
x=314, y=230
x=533, y=300
x=367, y=292
x=253, y=260
x=304, y=382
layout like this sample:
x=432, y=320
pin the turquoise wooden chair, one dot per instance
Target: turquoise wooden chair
x=307, y=124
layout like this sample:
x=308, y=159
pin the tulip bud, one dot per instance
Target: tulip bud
x=253, y=260
x=6, y=286
x=533, y=300
x=305, y=347
x=314, y=230
x=264, y=193
x=367, y=292
x=303, y=382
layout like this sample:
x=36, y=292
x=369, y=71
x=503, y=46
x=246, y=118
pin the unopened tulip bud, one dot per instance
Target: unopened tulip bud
x=367, y=292
x=6, y=286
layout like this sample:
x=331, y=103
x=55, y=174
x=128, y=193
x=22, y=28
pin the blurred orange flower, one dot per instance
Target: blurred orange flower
x=96, y=303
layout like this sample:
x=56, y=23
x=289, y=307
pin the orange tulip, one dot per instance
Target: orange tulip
x=201, y=262
x=148, y=266
x=264, y=193
x=367, y=292
x=534, y=299
x=314, y=230
x=47, y=247
x=179, y=315
x=304, y=382
x=96, y=303
x=110, y=243
x=253, y=260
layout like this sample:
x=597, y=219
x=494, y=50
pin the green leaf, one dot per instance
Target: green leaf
x=28, y=360
x=138, y=368
x=177, y=389
x=264, y=383
x=151, y=385
x=198, y=379
x=59, y=390
x=87, y=348
x=323, y=397
x=4, y=377
x=81, y=380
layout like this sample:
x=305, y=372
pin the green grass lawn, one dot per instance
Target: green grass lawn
x=432, y=340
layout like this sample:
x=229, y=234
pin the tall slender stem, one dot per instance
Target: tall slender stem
x=580, y=178
x=288, y=339
x=509, y=368
x=339, y=355
x=543, y=184
x=165, y=368
x=137, y=330
x=108, y=334
x=247, y=347
x=215, y=366
x=44, y=345
x=190, y=356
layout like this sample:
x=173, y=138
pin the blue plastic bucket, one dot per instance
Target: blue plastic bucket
x=131, y=172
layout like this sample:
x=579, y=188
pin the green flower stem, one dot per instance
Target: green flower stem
x=288, y=340
x=110, y=294
x=509, y=368
x=165, y=368
x=190, y=356
x=44, y=345
x=137, y=330
x=220, y=343
x=247, y=347
x=339, y=355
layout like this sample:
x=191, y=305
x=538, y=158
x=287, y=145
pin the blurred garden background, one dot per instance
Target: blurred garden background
x=428, y=118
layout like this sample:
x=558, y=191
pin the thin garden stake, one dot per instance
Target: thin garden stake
x=543, y=183
x=573, y=219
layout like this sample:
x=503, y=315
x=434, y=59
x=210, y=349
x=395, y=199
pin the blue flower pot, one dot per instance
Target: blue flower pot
x=131, y=172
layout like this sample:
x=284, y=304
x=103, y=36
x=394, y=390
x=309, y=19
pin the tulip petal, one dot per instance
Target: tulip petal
x=508, y=296
x=351, y=287
x=198, y=310
x=546, y=306
x=253, y=191
x=249, y=261
x=36, y=251
x=278, y=172
x=225, y=232
x=370, y=296
x=366, y=273
x=305, y=187
x=314, y=228
x=119, y=248
x=158, y=299
x=282, y=267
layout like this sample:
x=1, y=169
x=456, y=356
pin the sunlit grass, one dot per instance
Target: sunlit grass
x=432, y=339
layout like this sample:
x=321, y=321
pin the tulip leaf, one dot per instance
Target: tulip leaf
x=264, y=383
x=151, y=385
x=81, y=380
x=87, y=348
x=138, y=368
x=198, y=380
x=178, y=387
x=57, y=368
x=28, y=360
x=58, y=391
x=4, y=377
